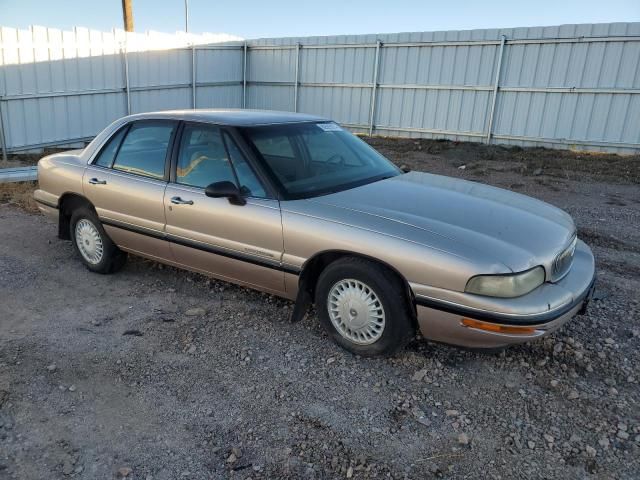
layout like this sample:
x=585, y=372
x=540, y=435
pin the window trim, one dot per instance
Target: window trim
x=226, y=138
x=233, y=167
x=263, y=176
x=127, y=127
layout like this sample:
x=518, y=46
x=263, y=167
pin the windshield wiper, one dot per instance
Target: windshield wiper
x=385, y=177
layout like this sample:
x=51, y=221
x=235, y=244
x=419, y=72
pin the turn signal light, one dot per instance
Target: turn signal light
x=495, y=328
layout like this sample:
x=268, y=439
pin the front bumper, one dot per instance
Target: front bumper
x=446, y=316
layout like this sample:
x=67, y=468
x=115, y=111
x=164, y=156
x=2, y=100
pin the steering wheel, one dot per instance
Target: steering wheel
x=336, y=158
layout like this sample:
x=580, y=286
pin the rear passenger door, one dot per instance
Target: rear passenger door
x=126, y=184
x=241, y=243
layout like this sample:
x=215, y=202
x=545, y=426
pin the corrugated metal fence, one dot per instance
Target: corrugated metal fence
x=63, y=87
x=570, y=86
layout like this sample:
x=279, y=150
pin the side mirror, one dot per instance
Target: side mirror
x=225, y=189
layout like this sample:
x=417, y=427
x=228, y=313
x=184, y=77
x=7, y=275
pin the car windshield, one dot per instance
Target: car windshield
x=311, y=159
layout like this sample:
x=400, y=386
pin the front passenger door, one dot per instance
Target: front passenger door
x=240, y=243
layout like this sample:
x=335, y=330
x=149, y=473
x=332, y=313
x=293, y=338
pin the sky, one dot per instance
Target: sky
x=273, y=18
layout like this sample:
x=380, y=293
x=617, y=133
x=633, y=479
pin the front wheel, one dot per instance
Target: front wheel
x=97, y=251
x=363, y=307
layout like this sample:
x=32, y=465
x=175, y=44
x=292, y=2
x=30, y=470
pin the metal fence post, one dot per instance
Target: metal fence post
x=244, y=75
x=495, y=89
x=193, y=76
x=297, y=80
x=374, y=88
x=126, y=76
x=3, y=138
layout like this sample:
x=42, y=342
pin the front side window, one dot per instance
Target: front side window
x=208, y=155
x=144, y=149
x=310, y=159
x=203, y=158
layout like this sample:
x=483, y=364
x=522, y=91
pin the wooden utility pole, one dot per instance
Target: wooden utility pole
x=127, y=15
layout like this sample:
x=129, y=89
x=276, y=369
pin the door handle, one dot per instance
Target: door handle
x=95, y=181
x=179, y=201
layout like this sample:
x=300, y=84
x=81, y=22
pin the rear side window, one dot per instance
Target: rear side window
x=108, y=153
x=144, y=149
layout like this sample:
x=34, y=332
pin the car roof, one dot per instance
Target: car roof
x=233, y=117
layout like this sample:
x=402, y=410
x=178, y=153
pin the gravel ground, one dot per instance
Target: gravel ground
x=155, y=373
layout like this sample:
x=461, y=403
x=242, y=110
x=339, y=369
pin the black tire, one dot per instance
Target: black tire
x=398, y=326
x=112, y=258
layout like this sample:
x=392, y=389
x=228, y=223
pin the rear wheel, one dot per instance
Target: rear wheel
x=97, y=251
x=363, y=307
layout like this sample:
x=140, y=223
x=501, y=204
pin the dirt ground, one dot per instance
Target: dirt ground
x=154, y=373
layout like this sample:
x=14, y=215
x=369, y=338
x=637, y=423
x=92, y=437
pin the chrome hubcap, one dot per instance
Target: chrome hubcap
x=356, y=311
x=89, y=241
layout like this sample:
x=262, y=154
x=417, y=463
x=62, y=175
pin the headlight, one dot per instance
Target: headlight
x=562, y=263
x=508, y=286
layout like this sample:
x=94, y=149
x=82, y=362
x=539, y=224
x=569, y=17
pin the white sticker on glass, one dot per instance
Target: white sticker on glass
x=329, y=127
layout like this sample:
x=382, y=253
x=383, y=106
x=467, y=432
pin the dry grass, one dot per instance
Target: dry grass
x=26, y=159
x=19, y=194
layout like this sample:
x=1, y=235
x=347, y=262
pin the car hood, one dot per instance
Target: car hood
x=468, y=219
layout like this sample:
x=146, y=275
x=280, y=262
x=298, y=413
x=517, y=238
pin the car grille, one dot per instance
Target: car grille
x=563, y=261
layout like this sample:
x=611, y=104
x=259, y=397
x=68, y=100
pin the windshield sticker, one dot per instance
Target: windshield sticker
x=330, y=127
